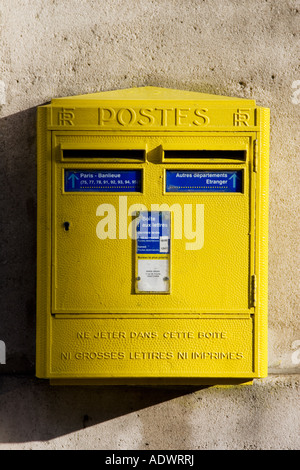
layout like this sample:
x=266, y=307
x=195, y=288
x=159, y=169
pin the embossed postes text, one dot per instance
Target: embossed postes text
x=175, y=117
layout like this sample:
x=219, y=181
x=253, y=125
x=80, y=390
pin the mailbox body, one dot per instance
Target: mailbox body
x=152, y=238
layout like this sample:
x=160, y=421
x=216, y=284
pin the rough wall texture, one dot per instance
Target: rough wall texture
x=52, y=48
x=262, y=416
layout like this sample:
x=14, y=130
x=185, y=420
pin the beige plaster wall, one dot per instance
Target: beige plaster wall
x=52, y=48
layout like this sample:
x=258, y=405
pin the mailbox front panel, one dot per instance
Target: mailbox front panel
x=151, y=246
x=93, y=262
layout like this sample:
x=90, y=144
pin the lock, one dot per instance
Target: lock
x=152, y=238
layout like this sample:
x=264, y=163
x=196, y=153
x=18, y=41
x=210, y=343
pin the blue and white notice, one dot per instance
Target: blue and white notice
x=103, y=181
x=153, y=232
x=204, y=181
x=153, y=251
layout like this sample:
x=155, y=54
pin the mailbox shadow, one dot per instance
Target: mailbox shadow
x=18, y=239
x=34, y=410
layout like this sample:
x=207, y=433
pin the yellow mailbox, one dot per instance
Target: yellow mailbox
x=152, y=238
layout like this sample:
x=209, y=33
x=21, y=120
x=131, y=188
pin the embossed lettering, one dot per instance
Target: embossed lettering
x=178, y=334
x=143, y=334
x=66, y=355
x=146, y=117
x=183, y=355
x=181, y=113
x=106, y=115
x=86, y=355
x=217, y=355
x=126, y=116
x=110, y=335
x=151, y=355
x=241, y=117
x=83, y=335
x=66, y=116
x=164, y=115
x=205, y=118
x=212, y=334
x=147, y=114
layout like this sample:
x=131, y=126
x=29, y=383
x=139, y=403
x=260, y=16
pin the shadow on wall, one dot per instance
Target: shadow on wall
x=18, y=240
x=33, y=410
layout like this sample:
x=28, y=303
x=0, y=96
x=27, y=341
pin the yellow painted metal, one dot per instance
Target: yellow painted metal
x=93, y=323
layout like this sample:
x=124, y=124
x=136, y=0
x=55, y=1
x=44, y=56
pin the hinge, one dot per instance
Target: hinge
x=255, y=155
x=254, y=289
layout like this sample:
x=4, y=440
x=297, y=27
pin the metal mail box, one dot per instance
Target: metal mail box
x=152, y=233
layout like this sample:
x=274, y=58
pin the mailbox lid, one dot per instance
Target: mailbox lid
x=152, y=108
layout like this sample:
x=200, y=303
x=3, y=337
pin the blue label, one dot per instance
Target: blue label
x=153, y=232
x=204, y=181
x=103, y=180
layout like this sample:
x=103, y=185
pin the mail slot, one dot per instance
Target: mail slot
x=152, y=232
